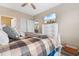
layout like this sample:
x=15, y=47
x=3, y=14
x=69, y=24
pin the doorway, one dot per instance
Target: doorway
x=8, y=21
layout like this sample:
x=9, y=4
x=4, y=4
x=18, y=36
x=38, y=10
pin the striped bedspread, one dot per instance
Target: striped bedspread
x=28, y=47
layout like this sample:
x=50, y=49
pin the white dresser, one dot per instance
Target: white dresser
x=50, y=29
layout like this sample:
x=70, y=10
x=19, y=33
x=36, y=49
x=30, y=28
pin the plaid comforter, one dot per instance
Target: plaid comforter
x=28, y=47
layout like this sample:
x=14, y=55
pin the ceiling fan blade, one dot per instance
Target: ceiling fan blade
x=33, y=6
x=24, y=4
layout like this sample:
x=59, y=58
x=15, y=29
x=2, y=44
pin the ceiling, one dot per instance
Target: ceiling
x=40, y=7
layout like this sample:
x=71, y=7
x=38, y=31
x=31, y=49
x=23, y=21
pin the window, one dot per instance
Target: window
x=50, y=18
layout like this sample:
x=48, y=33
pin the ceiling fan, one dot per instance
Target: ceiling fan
x=33, y=6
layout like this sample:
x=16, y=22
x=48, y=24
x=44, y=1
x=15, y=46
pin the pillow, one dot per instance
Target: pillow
x=12, y=34
x=42, y=36
x=30, y=34
x=22, y=34
x=3, y=38
x=17, y=32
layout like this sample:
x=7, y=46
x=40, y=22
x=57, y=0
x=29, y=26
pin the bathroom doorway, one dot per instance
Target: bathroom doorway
x=8, y=21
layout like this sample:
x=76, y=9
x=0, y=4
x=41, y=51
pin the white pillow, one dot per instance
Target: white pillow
x=3, y=38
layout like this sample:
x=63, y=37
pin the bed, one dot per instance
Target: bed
x=31, y=46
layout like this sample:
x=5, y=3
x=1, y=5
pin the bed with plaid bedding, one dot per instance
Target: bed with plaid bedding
x=28, y=47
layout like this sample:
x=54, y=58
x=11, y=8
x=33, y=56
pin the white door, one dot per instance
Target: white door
x=23, y=26
x=30, y=26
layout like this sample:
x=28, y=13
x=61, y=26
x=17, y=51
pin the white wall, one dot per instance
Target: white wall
x=15, y=14
x=68, y=20
x=23, y=21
